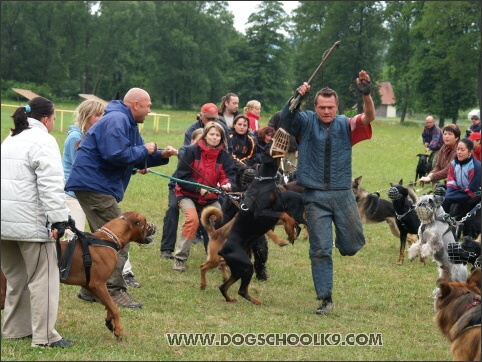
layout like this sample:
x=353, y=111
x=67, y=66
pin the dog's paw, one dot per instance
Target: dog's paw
x=426, y=251
x=414, y=251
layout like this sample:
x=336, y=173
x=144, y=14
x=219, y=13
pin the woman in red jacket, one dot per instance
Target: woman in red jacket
x=207, y=163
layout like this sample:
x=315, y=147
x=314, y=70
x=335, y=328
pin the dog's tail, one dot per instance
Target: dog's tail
x=211, y=216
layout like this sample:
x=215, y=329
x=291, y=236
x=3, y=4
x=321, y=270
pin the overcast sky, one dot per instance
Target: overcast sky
x=243, y=9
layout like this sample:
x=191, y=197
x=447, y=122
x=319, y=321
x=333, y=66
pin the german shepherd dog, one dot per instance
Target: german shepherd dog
x=103, y=247
x=260, y=209
x=458, y=316
x=404, y=201
x=373, y=209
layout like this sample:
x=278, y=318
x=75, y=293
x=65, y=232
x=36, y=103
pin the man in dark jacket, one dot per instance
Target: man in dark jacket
x=106, y=159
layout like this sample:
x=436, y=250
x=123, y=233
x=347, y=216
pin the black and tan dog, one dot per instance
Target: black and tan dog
x=404, y=201
x=260, y=209
x=373, y=209
x=218, y=224
x=103, y=247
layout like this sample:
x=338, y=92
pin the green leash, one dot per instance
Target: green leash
x=187, y=182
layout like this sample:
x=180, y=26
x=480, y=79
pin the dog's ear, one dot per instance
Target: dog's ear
x=444, y=287
x=475, y=278
x=400, y=182
x=358, y=179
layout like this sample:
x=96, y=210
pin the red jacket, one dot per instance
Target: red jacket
x=477, y=153
x=203, y=165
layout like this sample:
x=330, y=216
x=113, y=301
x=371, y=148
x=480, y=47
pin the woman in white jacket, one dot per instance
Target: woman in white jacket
x=33, y=215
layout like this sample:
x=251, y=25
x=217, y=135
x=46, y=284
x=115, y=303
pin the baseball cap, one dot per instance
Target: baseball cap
x=474, y=136
x=210, y=110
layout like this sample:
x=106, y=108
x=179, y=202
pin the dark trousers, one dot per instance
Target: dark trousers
x=170, y=223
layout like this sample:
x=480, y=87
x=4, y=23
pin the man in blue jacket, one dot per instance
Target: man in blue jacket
x=324, y=169
x=106, y=159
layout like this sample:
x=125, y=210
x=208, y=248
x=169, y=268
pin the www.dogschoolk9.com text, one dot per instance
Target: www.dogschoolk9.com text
x=274, y=339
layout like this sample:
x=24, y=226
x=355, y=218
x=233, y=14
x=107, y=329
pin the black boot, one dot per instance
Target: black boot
x=260, y=253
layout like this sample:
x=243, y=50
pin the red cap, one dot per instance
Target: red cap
x=474, y=136
x=210, y=110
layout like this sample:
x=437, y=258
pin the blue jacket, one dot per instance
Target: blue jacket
x=463, y=180
x=68, y=157
x=324, y=160
x=108, y=154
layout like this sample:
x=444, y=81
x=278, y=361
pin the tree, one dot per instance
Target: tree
x=400, y=17
x=444, y=66
x=358, y=25
x=267, y=68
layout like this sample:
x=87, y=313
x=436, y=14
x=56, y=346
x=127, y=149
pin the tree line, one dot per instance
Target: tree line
x=186, y=53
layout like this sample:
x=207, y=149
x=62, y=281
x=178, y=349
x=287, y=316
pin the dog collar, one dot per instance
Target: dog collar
x=111, y=235
x=261, y=178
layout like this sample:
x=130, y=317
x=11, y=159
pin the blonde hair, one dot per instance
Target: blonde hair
x=252, y=104
x=196, y=134
x=220, y=128
x=84, y=111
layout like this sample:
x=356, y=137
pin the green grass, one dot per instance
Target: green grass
x=371, y=293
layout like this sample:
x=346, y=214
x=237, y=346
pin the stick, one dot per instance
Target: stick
x=325, y=57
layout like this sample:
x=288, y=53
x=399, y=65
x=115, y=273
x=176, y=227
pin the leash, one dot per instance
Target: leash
x=400, y=217
x=212, y=189
x=193, y=169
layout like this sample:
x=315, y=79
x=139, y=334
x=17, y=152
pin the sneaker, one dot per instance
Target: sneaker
x=131, y=281
x=123, y=299
x=166, y=254
x=325, y=306
x=85, y=295
x=179, y=265
x=62, y=343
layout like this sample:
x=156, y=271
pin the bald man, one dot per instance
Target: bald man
x=431, y=135
x=108, y=154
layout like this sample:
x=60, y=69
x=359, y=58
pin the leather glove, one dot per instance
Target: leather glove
x=364, y=87
x=60, y=226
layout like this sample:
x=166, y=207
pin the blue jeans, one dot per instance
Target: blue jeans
x=324, y=208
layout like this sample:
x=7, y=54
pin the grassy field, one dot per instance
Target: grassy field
x=372, y=295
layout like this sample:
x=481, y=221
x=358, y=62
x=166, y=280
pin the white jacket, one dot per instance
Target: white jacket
x=32, y=185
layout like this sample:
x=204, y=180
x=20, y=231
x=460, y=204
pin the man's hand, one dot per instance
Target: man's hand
x=363, y=83
x=151, y=147
x=144, y=171
x=168, y=152
x=303, y=89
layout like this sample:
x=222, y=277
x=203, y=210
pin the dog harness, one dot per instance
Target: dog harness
x=86, y=239
x=474, y=323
